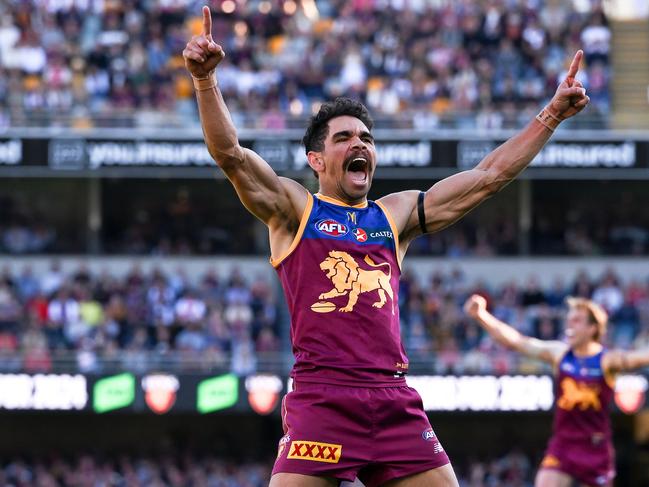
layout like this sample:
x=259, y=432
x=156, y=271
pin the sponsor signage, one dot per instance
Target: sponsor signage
x=331, y=228
x=484, y=393
x=160, y=391
x=147, y=153
x=217, y=393
x=11, y=152
x=630, y=392
x=314, y=451
x=285, y=153
x=113, y=392
x=263, y=392
x=61, y=392
x=603, y=154
x=587, y=154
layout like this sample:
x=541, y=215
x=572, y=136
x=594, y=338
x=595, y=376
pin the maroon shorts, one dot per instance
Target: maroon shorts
x=583, y=461
x=344, y=432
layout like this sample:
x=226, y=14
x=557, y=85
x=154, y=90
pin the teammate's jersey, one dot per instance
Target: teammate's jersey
x=584, y=394
x=341, y=281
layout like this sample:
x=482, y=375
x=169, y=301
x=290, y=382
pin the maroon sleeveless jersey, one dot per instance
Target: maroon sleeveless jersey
x=341, y=281
x=584, y=395
x=581, y=443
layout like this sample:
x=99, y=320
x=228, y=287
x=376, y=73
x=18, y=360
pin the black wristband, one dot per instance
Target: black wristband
x=420, y=212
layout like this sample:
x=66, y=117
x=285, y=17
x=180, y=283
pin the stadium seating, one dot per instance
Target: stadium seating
x=422, y=64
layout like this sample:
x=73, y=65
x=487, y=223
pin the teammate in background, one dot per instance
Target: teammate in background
x=338, y=256
x=580, y=448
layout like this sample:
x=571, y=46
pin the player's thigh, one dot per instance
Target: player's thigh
x=299, y=480
x=552, y=478
x=443, y=476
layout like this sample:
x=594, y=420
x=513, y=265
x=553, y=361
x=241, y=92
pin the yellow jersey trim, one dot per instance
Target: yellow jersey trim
x=610, y=379
x=334, y=201
x=395, y=230
x=300, y=231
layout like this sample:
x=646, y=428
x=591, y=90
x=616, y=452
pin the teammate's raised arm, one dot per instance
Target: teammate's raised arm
x=615, y=361
x=450, y=199
x=276, y=201
x=549, y=351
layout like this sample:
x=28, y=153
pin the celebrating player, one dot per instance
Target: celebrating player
x=580, y=448
x=338, y=256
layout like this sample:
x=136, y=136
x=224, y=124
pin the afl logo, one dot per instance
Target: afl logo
x=331, y=227
x=360, y=234
x=428, y=435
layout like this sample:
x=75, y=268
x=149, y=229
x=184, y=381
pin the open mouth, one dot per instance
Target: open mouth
x=358, y=168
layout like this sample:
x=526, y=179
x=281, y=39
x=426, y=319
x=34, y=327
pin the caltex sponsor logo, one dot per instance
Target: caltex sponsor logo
x=360, y=234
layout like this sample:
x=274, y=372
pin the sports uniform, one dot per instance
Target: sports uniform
x=581, y=445
x=350, y=412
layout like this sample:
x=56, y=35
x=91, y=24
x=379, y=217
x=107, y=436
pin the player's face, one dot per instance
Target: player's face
x=579, y=330
x=349, y=159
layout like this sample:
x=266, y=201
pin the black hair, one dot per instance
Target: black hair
x=318, y=128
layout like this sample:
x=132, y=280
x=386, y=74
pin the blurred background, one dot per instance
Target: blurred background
x=144, y=340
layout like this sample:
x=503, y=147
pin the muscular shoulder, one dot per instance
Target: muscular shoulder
x=296, y=192
x=401, y=206
x=297, y=196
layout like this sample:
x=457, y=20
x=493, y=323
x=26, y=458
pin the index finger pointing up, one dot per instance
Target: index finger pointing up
x=207, y=21
x=574, y=66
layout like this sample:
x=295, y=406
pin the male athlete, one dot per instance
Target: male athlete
x=338, y=256
x=580, y=448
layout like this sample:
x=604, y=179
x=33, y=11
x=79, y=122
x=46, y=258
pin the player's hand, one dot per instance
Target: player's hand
x=475, y=305
x=570, y=97
x=201, y=53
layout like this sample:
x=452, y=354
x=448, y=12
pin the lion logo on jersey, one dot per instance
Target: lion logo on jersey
x=349, y=279
x=578, y=394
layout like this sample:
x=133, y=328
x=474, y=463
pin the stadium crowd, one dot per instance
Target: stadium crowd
x=419, y=64
x=433, y=322
x=155, y=320
x=86, y=470
x=514, y=469
x=140, y=321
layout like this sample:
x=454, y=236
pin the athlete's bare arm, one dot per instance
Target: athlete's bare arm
x=616, y=361
x=547, y=350
x=278, y=202
x=450, y=199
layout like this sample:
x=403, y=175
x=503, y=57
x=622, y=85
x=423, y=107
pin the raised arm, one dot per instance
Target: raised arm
x=546, y=350
x=276, y=201
x=450, y=199
x=616, y=361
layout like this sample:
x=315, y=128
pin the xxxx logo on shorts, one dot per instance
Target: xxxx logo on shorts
x=314, y=451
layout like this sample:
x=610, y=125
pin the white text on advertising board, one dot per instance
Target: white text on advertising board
x=43, y=391
x=484, y=393
x=148, y=153
x=11, y=152
x=558, y=154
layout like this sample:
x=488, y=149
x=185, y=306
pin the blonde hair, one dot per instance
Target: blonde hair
x=596, y=314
